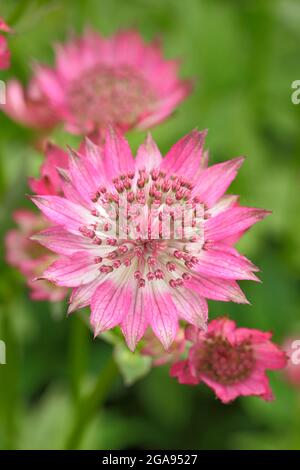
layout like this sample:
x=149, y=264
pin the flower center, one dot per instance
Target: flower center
x=225, y=363
x=150, y=223
x=107, y=94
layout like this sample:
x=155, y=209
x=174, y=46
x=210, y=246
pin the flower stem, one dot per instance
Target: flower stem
x=89, y=404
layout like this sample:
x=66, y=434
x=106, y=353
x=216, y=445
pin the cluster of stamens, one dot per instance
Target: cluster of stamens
x=226, y=363
x=106, y=94
x=141, y=216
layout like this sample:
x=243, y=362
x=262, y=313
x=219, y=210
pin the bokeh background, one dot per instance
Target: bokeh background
x=244, y=55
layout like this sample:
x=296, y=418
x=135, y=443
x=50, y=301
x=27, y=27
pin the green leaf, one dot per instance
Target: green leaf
x=133, y=366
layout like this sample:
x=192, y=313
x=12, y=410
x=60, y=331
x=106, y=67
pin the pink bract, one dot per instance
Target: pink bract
x=230, y=360
x=147, y=280
x=97, y=81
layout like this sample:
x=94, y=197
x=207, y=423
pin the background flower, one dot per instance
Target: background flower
x=22, y=251
x=96, y=81
x=232, y=361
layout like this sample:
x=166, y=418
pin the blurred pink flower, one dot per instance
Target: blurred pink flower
x=152, y=347
x=142, y=277
x=292, y=372
x=21, y=250
x=120, y=80
x=4, y=51
x=230, y=360
x=31, y=258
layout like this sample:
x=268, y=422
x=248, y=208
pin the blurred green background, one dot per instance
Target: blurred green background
x=244, y=56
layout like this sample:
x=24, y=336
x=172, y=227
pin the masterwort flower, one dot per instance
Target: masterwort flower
x=144, y=242
x=96, y=81
x=230, y=360
x=29, y=257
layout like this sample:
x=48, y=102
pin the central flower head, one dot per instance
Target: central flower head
x=146, y=241
x=153, y=224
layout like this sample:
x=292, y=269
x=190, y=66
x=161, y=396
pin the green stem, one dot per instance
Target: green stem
x=89, y=404
x=79, y=340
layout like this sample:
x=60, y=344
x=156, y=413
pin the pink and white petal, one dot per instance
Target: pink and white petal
x=136, y=320
x=60, y=241
x=214, y=181
x=82, y=176
x=164, y=315
x=217, y=289
x=226, y=202
x=118, y=157
x=148, y=155
x=64, y=212
x=73, y=271
x=110, y=303
x=232, y=221
x=81, y=296
x=191, y=307
x=185, y=156
x=218, y=263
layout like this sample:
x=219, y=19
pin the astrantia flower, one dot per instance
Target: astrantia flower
x=22, y=252
x=96, y=81
x=4, y=51
x=130, y=270
x=230, y=360
x=30, y=258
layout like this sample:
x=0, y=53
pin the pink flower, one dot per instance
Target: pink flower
x=292, y=371
x=4, y=51
x=29, y=257
x=96, y=81
x=129, y=270
x=230, y=360
x=21, y=250
x=152, y=347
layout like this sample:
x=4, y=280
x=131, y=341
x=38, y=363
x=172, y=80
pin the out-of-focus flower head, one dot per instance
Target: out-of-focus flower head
x=22, y=251
x=132, y=270
x=97, y=81
x=30, y=258
x=4, y=51
x=230, y=360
